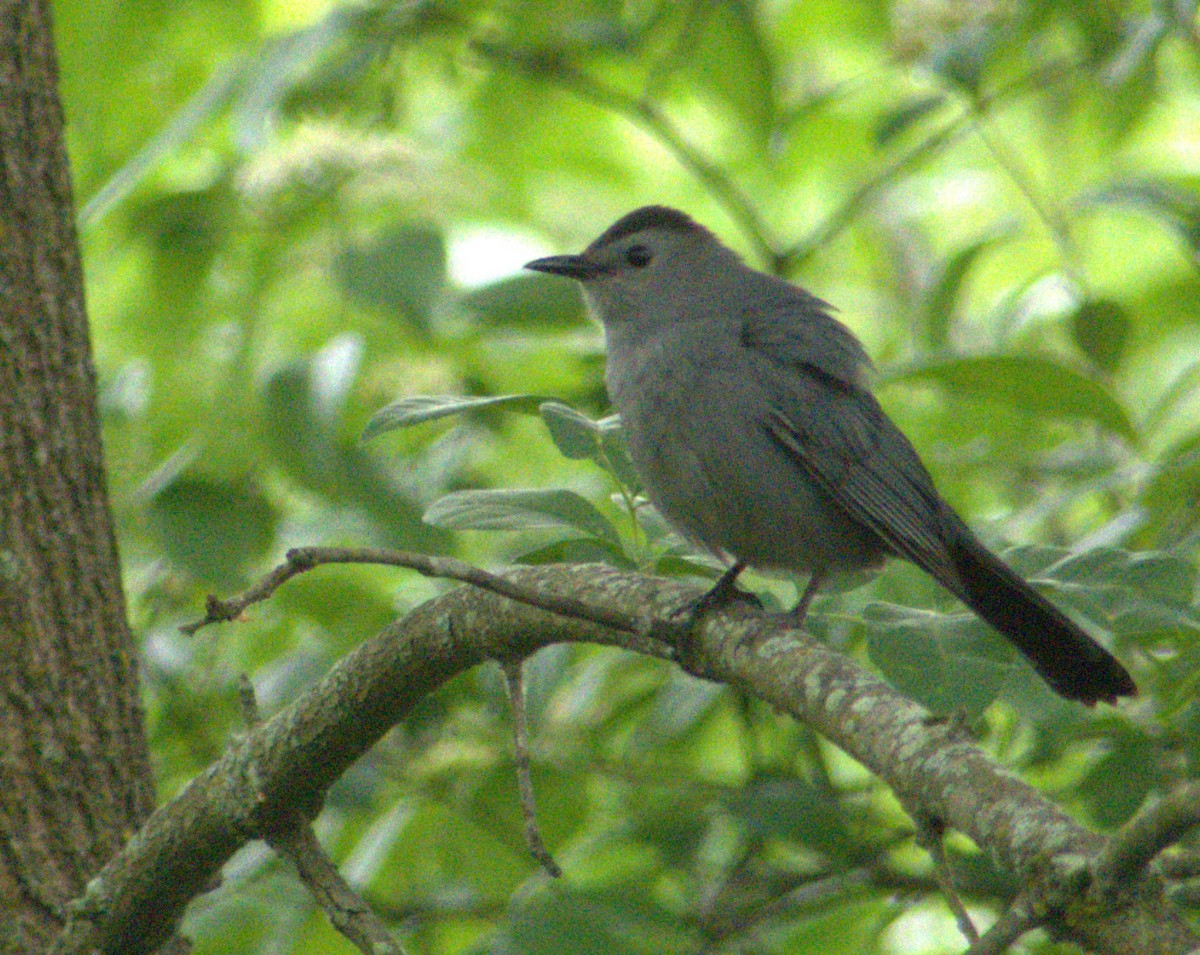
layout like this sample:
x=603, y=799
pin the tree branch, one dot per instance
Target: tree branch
x=1158, y=824
x=648, y=633
x=514, y=683
x=288, y=763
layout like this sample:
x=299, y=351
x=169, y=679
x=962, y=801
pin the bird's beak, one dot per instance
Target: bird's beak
x=572, y=266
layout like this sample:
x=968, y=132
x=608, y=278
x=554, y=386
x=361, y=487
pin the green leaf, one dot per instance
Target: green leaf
x=732, y=59
x=213, y=530
x=1177, y=205
x=200, y=110
x=518, y=510
x=1121, y=779
x=1101, y=330
x=962, y=57
x=899, y=119
x=403, y=271
x=421, y=408
x=937, y=307
x=1034, y=384
x=947, y=662
x=307, y=446
x=616, y=453
x=588, y=923
x=574, y=434
x=534, y=302
x=1132, y=593
x=578, y=550
x=787, y=807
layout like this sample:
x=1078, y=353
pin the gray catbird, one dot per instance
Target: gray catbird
x=749, y=422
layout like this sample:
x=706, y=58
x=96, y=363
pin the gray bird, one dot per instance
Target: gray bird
x=750, y=424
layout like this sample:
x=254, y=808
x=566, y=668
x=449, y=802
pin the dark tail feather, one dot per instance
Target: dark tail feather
x=1074, y=664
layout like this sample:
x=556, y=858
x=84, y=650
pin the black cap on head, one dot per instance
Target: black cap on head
x=590, y=263
x=647, y=217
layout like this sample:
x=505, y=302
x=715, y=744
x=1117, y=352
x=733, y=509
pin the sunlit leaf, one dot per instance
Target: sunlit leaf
x=1176, y=205
x=939, y=300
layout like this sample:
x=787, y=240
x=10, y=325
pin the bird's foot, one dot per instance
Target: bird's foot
x=684, y=620
x=724, y=592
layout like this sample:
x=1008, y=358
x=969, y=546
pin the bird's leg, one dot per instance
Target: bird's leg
x=800, y=611
x=723, y=592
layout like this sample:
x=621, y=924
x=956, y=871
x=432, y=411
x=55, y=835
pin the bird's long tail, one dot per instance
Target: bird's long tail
x=1074, y=664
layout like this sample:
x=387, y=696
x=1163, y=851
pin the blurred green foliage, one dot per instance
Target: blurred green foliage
x=303, y=221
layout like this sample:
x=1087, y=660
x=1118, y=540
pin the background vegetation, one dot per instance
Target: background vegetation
x=295, y=214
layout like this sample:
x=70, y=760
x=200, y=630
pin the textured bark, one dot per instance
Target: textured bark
x=74, y=769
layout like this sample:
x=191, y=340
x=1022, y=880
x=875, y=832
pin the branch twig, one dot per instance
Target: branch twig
x=515, y=684
x=929, y=837
x=650, y=635
x=1019, y=918
x=346, y=910
x=291, y=760
x=1158, y=824
x=644, y=113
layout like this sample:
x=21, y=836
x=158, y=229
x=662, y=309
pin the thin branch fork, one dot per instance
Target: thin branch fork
x=296, y=840
x=649, y=633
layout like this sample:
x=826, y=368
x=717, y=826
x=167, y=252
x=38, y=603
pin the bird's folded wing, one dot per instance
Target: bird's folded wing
x=840, y=436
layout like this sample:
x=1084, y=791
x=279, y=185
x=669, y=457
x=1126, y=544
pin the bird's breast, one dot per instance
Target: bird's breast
x=693, y=415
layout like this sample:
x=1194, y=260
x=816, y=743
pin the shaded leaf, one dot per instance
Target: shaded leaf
x=962, y=57
x=1101, y=330
x=403, y=271
x=306, y=444
x=1033, y=384
x=534, y=302
x=1132, y=593
x=574, y=434
x=787, y=807
x=421, y=408
x=211, y=529
x=578, y=550
x=589, y=923
x=616, y=453
x=1121, y=779
x=900, y=119
x=517, y=510
x=947, y=662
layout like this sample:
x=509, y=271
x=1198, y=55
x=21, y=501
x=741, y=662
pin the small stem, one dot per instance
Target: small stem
x=515, y=684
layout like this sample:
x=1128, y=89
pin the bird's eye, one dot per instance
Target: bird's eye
x=638, y=256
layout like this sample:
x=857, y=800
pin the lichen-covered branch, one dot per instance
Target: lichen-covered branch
x=288, y=763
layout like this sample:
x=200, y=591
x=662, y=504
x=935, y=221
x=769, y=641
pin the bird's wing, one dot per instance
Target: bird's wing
x=837, y=432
